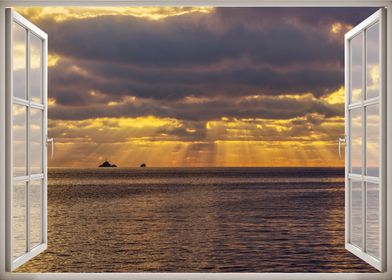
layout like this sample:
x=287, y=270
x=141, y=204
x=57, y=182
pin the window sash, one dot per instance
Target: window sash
x=362, y=105
x=30, y=175
x=262, y=3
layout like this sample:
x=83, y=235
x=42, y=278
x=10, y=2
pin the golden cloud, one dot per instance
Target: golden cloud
x=338, y=28
x=192, y=154
x=228, y=142
x=336, y=97
x=68, y=13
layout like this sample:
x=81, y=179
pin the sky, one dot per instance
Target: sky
x=197, y=86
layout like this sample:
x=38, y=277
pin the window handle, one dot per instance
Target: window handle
x=341, y=140
x=51, y=140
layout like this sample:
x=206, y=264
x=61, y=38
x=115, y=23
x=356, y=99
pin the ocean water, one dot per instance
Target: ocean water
x=196, y=220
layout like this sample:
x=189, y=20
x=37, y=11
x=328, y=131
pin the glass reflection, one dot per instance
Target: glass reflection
x=36, y=140
x=19, y=61
x=19, y=130
x=356, y=68
x=19, y=219
x=36, y=69
x=356, y=213
x=373, y=219
x=372, y=140
x=356, y=141
x=372, y=62
x=35, y=212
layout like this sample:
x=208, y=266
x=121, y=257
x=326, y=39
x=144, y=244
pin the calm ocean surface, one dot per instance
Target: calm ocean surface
x=196, y=220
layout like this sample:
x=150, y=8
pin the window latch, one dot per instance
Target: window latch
x=341, y=140
x=51, y=140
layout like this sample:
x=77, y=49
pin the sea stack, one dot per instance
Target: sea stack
x=107, y=164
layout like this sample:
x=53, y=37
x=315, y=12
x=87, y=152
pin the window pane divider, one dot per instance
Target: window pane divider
x=27, y=103
x=37, y=106
x=29, y=177
x=36, y=176
x=21, y=101
x=21, y=178
x=367, y=102
x=363, y=112
x=28, y=150
x=354, y=176
x=371, y=101
x=359, y=177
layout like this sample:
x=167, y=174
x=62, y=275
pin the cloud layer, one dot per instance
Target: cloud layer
x=198, y=78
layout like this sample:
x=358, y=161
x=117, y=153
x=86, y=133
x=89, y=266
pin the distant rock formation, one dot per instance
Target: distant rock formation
x=107, y=164
x=143, y=165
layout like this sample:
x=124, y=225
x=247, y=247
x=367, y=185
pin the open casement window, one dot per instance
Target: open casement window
x=365, y=112
x=26, y=140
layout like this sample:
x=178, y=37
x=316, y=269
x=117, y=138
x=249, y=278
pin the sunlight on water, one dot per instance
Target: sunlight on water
x=196, y=220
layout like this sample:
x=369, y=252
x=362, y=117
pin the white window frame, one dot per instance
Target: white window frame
x=15, y=18
x=377, y=18
x=216, y=3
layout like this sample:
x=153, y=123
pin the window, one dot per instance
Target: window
x=26, y=158
x=24, y=186
x=365, y=127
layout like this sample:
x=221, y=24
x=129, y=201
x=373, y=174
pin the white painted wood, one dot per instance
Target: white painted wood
x=197, y=276
x=217, y=3
x=363, y=25
x=362, y=103
x=14, y=17
x=378, y=17
x=383, y=138
x=44, y=138
x=3, y=138
x=28, y=143
x=8, y=132
x=366, y=257
x=347, y=201
x=29, y=255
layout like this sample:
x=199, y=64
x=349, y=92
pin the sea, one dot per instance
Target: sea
x=196, y=220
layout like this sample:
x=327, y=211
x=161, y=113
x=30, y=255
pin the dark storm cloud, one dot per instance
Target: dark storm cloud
x=115, y=82
x=182, y=40
x=312, y=17
x=266, y=108
x=175, y=42
x=224, y=56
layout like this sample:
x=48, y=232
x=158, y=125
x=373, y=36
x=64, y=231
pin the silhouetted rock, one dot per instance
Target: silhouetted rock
x=143, y=165
x=107, y=164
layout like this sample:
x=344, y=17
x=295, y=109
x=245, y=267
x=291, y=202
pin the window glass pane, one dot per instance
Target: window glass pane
x=373, y=219
x=372, y=61
x=356, y=213
x=19, y=219
x=19, y=129
x=356, y=141
x=372, y=140
x=356, y=68
x=36, y=69
x=19, y=60
x=36, y=140
x=35, y=212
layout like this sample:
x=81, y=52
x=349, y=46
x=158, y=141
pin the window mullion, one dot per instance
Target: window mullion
x=28, y=201
x=382, y=143
x=348, y=210
x=364, y=143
